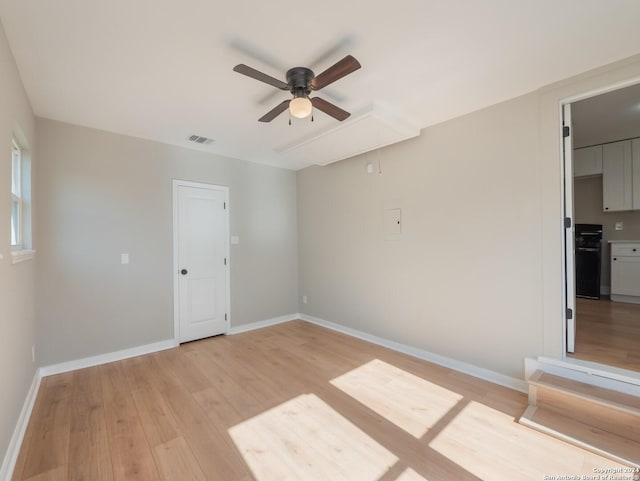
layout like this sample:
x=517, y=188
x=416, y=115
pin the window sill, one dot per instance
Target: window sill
x=23, y=255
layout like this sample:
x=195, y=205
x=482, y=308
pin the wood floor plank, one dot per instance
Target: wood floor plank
x=49, y=441
x=156, y=417
x=608, y=332
x=57, y=474
x=176, y=461
x=130, y=453
x=210, y=446
x=89, y=451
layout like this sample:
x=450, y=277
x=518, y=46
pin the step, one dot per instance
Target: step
x=602, y=408
x=596, y=440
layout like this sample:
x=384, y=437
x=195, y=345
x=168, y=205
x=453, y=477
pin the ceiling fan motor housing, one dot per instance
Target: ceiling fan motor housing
x=299, y=78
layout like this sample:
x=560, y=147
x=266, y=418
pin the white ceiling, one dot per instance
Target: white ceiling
x=162, y=69
x=606, y=118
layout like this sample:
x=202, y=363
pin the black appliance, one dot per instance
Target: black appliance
x=588, y=254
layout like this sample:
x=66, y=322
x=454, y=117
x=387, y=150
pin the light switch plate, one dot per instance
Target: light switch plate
x=619, y=226
x=235, y=240
x=124, y=258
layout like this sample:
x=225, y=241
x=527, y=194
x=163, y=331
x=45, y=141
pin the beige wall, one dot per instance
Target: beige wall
x=17, y=320
x=588, y=207
x=464, y=279
x=477, y=274
x=103, y=194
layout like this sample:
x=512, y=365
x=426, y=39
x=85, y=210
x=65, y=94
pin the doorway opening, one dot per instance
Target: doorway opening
x=602, y=228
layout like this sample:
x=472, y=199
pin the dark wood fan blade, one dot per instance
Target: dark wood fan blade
x=330, y=109
x=274, y=112
x=335, y=72
x=263, y=77
x=341, y=45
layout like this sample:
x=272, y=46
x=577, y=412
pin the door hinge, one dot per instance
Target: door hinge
x=566, y=131
x=225, y=261
x=569, y=313
x=225, y=316
x=567, y=222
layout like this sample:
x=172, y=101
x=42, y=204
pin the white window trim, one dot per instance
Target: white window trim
x=16, y=178
x=22, y=255
x=18, y=252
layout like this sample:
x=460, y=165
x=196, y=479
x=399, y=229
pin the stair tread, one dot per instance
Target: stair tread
x=586, y=390
x=589, y=437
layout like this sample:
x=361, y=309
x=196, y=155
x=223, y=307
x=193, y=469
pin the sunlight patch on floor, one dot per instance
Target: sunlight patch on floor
x=305, y=439
x=408, y=401
x=490, y=445
x=410, y=475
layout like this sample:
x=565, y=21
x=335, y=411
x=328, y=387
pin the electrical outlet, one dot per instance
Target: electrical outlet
x=619, y=226
x=304, y=299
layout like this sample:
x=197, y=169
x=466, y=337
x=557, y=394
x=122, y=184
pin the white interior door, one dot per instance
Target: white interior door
x=201, y=251
x=569, y=236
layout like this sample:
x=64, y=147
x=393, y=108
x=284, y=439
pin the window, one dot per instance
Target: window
x=20, y=204
x=16, y=197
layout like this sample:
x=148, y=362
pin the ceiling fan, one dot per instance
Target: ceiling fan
x=301, y=81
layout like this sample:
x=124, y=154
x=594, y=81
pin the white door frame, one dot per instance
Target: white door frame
x=569, y=234
x=176, y=311
x=567, y=166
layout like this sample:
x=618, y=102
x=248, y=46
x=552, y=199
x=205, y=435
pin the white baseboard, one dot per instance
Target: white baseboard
x=108, y=357
x=15, y=443
x=472, y=370
x=260, y=324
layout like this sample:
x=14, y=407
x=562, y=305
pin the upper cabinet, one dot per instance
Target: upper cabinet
x=617, y=176
x=587, y=161
x=635, y=154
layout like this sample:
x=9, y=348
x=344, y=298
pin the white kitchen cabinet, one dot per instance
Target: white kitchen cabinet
x=635, y=154
x=617, y=176
x=587, y=161
x=625, y=272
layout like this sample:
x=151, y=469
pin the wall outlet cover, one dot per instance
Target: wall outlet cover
x=619, y=226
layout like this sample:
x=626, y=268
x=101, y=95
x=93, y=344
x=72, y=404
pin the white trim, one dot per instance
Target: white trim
x=186, y=183
x=106, y=358
x=22, y=255
x=600, y=91
x=527, y=420
x=260, y=324
x=11, y=455
x=607, y=377
x=466, y=368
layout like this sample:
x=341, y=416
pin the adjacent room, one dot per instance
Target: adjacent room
x=360, y=241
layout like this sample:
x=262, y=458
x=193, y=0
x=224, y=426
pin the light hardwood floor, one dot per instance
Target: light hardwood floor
x=608, y=332
x=289, y=402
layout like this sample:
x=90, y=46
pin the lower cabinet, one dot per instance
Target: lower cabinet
x=625, y=272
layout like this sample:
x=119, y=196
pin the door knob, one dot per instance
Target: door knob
x=184, y=272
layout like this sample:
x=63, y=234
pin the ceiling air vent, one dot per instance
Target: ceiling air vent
x=198, y=139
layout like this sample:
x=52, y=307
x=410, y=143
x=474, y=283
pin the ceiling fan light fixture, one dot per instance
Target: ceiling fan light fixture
x=300, y=107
